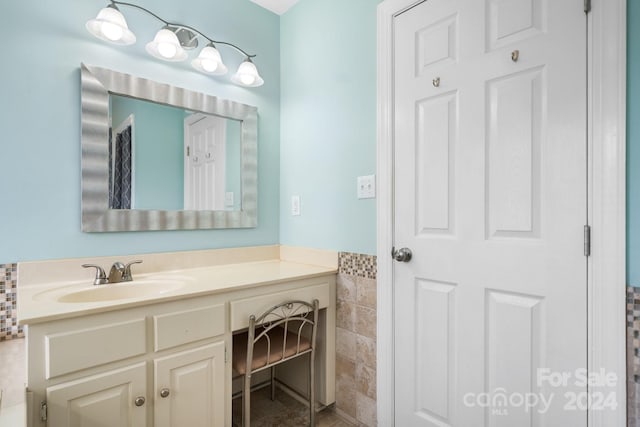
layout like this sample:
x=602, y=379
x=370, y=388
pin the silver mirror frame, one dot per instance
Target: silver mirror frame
x=96, y=85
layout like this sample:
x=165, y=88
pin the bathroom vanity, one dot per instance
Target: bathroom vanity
x=156, y=351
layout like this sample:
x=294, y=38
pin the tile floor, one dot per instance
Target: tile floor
x=285, y=411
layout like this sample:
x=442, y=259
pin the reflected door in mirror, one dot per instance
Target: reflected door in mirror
x=204, y=138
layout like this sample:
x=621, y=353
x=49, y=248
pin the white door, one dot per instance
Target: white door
x=104, y=400
x=190, y=388
x=490, y=195
x=204, y=162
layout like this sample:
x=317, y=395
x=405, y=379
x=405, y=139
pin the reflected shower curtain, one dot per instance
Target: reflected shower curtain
x=120, y=171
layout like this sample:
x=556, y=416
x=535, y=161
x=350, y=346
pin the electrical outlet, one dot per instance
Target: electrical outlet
x=367, y=187
x=295, y=205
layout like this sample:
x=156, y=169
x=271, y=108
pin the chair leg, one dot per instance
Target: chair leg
x=246, y=401
x=273, y=383
x=312, y=391
x=242, y=405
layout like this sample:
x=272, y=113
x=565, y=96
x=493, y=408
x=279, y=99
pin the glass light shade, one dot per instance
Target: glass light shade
x=165, y=46
x=247, y=75
x=209, y=62
x=111, y=26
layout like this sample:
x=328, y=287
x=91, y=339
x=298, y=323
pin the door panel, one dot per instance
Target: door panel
x=514, y=328
x=437, y=124
x=436, y=43
x=514, y=20
x=435, y=353
x=490, y=194
x=514, y=123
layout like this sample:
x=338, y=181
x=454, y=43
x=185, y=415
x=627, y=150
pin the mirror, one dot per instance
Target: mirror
x=158, y=157
x=168, y=158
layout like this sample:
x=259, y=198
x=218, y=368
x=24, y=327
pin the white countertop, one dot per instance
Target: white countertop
x=40, y=303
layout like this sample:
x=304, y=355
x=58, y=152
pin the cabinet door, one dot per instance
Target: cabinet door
x=189, y=388
x=106, y=399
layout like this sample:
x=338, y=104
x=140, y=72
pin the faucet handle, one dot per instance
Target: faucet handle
x=127, y=276
x=101, y=277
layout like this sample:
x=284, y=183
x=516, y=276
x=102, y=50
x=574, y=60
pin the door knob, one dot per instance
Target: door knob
x=164, y=392
x=139, y=401
x=401, y=255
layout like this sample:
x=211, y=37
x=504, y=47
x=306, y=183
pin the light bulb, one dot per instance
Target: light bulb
x=209, y=65
x=209, y=61
x=165, y=46
x=167, y=50
x=247, y=79
x=111, y=31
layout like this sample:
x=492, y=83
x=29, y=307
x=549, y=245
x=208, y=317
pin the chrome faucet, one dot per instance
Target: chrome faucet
x=119, y=273
x=116, y=272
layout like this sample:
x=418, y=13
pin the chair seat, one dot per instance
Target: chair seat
x=260, y=351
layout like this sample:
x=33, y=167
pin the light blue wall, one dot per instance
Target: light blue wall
x=633, y=143
x=328, y=123
x=45, y=42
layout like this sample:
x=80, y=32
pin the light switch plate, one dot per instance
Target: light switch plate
x=367, y=187
x=295, y=205
x=228, y=198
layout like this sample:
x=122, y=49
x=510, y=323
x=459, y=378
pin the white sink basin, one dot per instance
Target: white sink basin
x=126, y=290
x=144, y=288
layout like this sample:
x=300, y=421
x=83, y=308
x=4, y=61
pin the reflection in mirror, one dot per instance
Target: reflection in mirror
x=160, y=157
x=168, y=158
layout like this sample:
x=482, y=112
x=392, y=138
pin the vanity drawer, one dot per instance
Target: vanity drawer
x=182, y=327
x=243, y=308
x=84, y=348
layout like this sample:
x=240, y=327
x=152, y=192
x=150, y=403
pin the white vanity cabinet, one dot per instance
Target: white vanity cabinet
x=155, y=365
x=189, y=385
x=160, y=363
x=106, y=399
x=189, y=388
x=188, y=391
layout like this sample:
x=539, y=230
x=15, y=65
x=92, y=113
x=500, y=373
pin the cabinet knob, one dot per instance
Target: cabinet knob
x=164, y=392
x=139, y=401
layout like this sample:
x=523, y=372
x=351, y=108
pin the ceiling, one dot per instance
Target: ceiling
x=276, y=6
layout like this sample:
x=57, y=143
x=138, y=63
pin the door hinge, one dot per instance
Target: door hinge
x=43, y=411
x=188, y=150
x=225, y=354
x=587, y=240
x=587, y=6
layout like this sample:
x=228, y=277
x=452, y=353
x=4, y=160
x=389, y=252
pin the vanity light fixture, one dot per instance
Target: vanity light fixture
x=166, y=46
x=111, y=26
x=247, y=75
x=171, y=43
x=209, y=61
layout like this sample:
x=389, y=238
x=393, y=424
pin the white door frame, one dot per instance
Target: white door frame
x=607, y=202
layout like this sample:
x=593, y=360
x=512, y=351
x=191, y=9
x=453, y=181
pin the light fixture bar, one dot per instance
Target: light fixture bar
x=177, y=25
